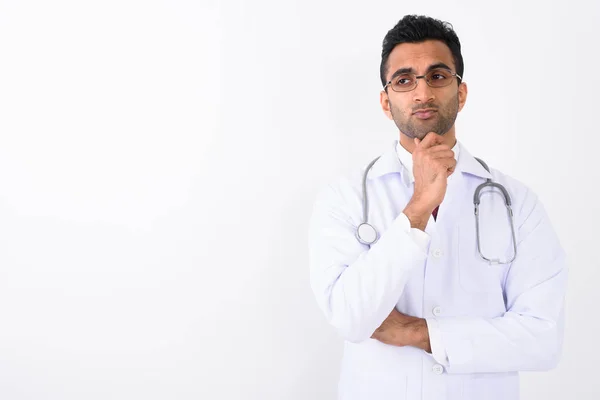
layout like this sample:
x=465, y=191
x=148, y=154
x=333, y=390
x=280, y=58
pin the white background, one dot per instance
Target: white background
x=159, y=161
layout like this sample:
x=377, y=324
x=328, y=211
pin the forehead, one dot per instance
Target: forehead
x=419, y=56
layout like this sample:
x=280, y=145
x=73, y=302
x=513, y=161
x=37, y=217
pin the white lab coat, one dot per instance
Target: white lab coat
x=491, y=321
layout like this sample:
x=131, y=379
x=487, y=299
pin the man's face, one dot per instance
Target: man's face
x=407, y=108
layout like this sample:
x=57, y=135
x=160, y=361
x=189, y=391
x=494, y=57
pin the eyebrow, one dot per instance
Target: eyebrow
x=410, y=70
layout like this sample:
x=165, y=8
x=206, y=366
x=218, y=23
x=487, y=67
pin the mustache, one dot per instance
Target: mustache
x=424, y=107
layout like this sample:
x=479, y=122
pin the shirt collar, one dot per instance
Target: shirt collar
x=398, y=160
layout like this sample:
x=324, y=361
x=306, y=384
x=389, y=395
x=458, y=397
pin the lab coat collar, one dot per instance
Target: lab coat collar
x=467, y=164
x=389, y=163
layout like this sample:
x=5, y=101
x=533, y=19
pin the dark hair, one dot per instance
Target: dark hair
x=416, y=29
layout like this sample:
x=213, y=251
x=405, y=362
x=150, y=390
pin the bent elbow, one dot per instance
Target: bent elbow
x=349, y=329
x=552, y=356
x=549, y=353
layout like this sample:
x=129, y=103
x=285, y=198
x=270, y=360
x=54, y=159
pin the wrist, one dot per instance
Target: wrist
x=421, y=335
x=417, y=214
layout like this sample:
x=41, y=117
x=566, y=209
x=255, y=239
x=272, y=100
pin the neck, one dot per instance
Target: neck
x=408, y=143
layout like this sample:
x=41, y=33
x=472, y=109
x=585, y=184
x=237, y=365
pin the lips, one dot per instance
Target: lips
x=424, y=114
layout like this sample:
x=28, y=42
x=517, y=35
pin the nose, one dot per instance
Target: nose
x=423, y=93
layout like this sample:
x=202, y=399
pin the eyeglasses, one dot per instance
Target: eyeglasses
x=436, y=78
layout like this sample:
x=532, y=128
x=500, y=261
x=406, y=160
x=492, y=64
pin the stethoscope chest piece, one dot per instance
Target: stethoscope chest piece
x=366, y=234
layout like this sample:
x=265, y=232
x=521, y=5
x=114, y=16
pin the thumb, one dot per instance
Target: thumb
x=417, y=141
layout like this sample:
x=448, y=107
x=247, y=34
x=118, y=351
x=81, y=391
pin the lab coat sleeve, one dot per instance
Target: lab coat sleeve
x=438, y=351
x=528, y=337
x=355, y=286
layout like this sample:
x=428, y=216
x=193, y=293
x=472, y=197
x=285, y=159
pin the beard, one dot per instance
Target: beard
x=442, y=121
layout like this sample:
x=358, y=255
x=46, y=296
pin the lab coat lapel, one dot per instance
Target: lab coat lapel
x=457, y=204
x=448, y=211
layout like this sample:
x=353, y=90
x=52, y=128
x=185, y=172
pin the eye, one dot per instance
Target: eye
x=439, y=75
x=404, y=80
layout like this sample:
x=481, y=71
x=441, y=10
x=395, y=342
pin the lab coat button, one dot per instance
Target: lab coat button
x=437, y=253
x=437, y=311
x=438, y=369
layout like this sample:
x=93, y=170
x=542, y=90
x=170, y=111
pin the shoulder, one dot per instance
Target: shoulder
x=533, y=225
x=524, y=201
x=344, y=189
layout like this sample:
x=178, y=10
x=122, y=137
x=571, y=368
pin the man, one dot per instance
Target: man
x=424, y=312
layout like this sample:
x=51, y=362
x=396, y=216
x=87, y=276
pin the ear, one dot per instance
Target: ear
x=462, y=95
x=384, y=100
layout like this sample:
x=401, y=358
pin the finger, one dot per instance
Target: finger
x=451, y=170
x=451, y=165
x=442, y=153
x=427, y=141
x=438, y=148
x=439, y=143
x=444, y=164
x=449, y=162
x=431, y=139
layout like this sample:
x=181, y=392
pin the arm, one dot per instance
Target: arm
x=357, y=286
x=403, y=330
x=527, y=337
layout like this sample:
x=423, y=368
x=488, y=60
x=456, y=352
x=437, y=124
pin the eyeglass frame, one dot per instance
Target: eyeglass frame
x=417, y=77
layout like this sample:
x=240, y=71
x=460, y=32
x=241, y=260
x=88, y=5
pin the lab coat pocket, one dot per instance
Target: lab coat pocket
x=373, y=370
x=477, y=275
x=492, y=386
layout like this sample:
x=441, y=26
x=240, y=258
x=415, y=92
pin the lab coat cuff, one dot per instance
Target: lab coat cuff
x=420, y=238
x=397, y=248
x=438, y=351
x=458, y=346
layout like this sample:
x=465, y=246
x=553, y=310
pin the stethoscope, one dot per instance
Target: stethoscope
x=367, y=234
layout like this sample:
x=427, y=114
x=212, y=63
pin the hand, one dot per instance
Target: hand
x=433, y=162
x=403, y=330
